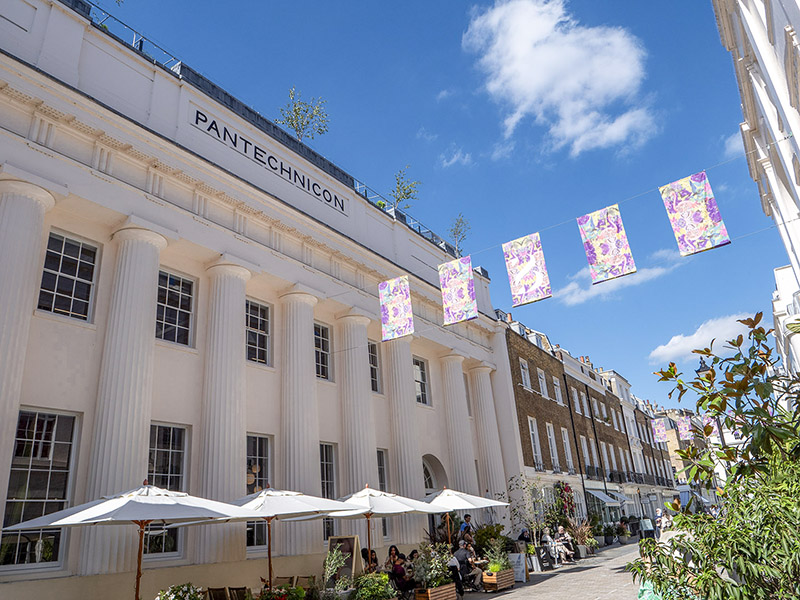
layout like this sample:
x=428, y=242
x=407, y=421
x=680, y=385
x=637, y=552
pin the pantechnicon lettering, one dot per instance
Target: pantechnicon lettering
x=230, y=137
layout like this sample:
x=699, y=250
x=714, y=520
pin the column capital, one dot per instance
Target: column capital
x=140, y=234
x=483, y=367
x=28, y=190
x=227, y=268
x=354, y=315
x=293, y=295
x=453, y=357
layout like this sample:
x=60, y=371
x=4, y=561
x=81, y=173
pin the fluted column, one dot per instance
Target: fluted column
x=404, y=453
x=223, y=429
x=299, y=447
x=121, y=428
x=490, y=458
x=462, y=476
x=22, y=208
x=359, y=462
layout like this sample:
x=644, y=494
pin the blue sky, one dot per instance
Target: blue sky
x=521, y=116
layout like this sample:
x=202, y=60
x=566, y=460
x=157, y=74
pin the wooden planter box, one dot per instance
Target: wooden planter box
x=443, y=592
x=493, y=582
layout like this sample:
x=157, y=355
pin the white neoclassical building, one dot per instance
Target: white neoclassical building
x=189, y=296
x=763, y=38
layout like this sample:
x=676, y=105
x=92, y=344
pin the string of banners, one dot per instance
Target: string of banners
x=685, y=432
x=693, y=215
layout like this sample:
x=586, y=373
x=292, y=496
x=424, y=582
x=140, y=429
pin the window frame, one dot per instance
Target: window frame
x=576, y=401
x=192, y=312
x=421, y=386
x=328, y=522
x=525, y=374
x=382, y=456
x=320, y=352
x=567, y=451
x=542, y=376
x=536, y=446
x=375, y=379
x=260, y=524
x=557, y=395
x=180, y=543
x=90, y=312
x=555, y=463
x=258, y=332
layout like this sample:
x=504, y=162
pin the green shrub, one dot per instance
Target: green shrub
x=184, y=591
x=374, y=586
x=430, y=567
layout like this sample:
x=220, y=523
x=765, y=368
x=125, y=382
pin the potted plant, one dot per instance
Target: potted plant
x=184, y=591
x=432, y=574
x=591, y=544
x=608, y=534
x=597, y=532
x=499, y=575
x=374, y=586
x=623, y=535
x=580, y=530
x=282, y=592
x=334, y=583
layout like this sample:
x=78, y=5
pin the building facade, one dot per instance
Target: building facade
x=762, y=37
x=190, y=297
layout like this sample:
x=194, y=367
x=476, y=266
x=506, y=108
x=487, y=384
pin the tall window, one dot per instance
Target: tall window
x=258, y=336
x=551, y=441
x=374, y=366
x=525, y=372
x=613, y=457
x=174, y=309
x=322, y=351
x=622, y=460
x=421, y=380
x=575, y=401
x=258, y=473
x=614, y=419
x=535, y=445
x=542, y=383
x=593, y=446
x=165, y=469
x=585, y=451
x=605, y=414
x=567, y=450
x=68, y=277
x=595, y=408
x=327, y=470
x=586, y=412
x=557, y=390
x=604, y=452
x=383, y=486
x=38, y=485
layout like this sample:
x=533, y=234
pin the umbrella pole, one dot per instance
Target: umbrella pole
x=449, y=540
x=269, y=551
x=369, y=541
x=142, y=525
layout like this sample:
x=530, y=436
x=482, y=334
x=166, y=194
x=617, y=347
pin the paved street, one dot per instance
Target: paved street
x=600, y=577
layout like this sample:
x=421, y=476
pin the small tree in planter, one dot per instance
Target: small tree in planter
x=581, y=531
x=609, y=531
x=432, y=574
x=623, y=535
x=184, y=591
x=332, y=581
x=500, y=574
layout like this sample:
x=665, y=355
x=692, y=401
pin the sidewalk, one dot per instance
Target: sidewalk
x=601, y=576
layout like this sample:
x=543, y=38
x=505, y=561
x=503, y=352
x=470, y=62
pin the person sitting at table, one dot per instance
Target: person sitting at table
x=401, y=579
x=373, y=560
x=409, y=566
x=391, y=559
x=365, y=559
x=564, y=543
x=525, y=536
x=476, y=574
x=549, y=543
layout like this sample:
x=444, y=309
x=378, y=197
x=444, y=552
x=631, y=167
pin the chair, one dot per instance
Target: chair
x=288, y=581
x=237, y=593
x=217, y=594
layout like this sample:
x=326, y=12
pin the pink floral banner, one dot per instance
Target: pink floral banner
x=606, y=244
x=694, y=215
x=527, y=272
x=659, y=430
x=708, y=420
x=685, y=428
x=397, y=318
x=458, y=291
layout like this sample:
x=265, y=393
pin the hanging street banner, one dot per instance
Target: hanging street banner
x=527, y=272
x=708, y=420
x=397, y=317
x=694, y=215
x=659, y=430
x=458, y=290
x=685, y=428
x=606, y=244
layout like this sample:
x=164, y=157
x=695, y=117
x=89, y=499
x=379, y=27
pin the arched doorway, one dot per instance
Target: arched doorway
x=435, y=479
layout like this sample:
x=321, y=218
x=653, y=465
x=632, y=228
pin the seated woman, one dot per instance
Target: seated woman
x=564, y=544
x=401, y=579
x=391, y=559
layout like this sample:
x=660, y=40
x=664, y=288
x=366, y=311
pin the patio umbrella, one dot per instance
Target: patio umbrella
x=141, y=507
x=270, y=504
x=455, y=500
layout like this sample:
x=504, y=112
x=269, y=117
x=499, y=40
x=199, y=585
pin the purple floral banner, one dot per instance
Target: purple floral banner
x=606, y=244
x=397, y=318
x=708, y=420
x=685, y=428
x=659, y=430
x=527, y=272
x=694, y=215
x=458, y=291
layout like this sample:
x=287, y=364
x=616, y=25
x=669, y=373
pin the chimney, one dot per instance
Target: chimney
x=509, y=319
x=580, y=358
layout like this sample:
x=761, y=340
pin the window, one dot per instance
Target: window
x=165, y=469
x=622, y=460
x=604, y=453
x=258, y=471
x=605, y=414
x=551, y=442
x=614, y=419
x=327, y=470
x=174, y=309
x=535, y=446
x=322, y=351
x=525, y=372
x=593, y=447
x=613, y=457
x=595, y=408
x=586, y=412
x=467, y=394
x=542, y=383
x=792, y=65
x=575, y=401
x=258, y=338
x=421, y=380
x=374, y=367
x=585, y=451
x=383, y=486
x=68, y=277
x=38, y=484
x=557, y=390
x=567, y=450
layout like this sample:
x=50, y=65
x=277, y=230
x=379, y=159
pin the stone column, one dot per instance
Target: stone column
x=299, y=435
x=462, y=475
x=22, y=208
x=358, y=451
x=404, y=453
x=490, y=458
x=121, y=429
x=223, y=427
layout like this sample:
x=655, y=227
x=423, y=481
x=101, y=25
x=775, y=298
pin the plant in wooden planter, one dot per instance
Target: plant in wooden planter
x=432, y=574
x=500, y=574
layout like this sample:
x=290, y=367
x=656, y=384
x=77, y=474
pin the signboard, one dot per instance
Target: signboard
x=544, y=558
x=519, y=566
x=348, y=544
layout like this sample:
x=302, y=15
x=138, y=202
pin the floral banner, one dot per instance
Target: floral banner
x=606, y=244
x=458, y=291
x=694, y=215
x=397, y=318
x=527, y=272
x=685, y=428
x=659, y=430
x=707, y=420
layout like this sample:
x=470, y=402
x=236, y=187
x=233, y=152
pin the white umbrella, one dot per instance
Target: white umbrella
x=455, y=500
x=141, y=507
x=270, y=504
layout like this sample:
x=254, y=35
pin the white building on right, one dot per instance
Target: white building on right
x=763, y=37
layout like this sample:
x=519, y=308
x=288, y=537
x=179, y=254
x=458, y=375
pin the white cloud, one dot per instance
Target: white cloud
x=502, y=150
x=580, y=82
x=733, y=146
x=457, y=157
x=428, y=136
x=679, y=347
x=443, y=95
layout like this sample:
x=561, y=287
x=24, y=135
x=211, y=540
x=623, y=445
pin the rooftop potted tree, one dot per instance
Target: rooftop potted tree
x=500, y=575
x=432, y=574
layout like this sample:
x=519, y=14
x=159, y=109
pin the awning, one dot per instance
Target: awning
x=621, y=497
x=603, y=497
